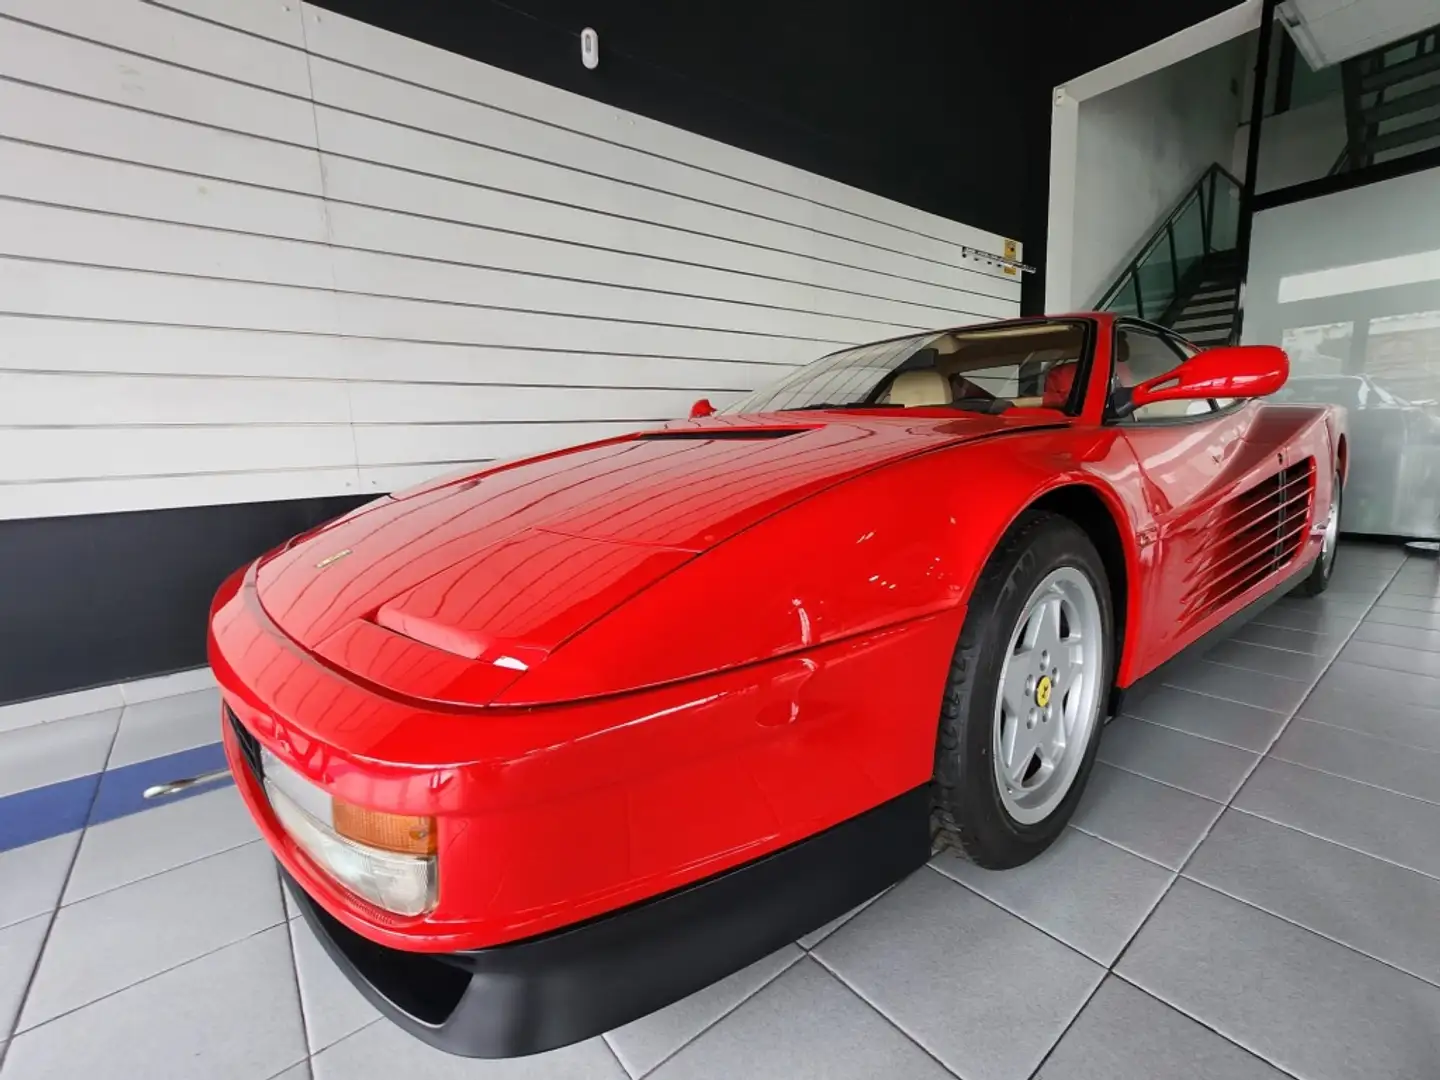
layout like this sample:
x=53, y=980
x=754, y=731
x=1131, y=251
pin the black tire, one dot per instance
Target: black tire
x=969, y=814
x=1318, y=580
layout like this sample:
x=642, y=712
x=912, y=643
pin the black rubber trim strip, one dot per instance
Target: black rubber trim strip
x=563, y=987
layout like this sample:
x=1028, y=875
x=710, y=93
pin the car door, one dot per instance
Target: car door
x=1188, y=454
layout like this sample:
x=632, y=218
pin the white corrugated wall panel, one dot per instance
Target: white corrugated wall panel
x=261, y=251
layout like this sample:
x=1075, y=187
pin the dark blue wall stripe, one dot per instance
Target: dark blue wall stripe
x=28, y=817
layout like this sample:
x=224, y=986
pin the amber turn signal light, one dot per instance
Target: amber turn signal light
x=400, y=833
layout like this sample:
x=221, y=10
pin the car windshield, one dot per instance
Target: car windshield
x=983, y=369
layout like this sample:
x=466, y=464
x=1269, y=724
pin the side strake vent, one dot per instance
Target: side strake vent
x=728, y=434
x=1259, y=532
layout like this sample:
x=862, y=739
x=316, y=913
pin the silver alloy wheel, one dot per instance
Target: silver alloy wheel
x=1332, y=535
x=1049, y=696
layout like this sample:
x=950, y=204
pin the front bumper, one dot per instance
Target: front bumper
x=572, y=984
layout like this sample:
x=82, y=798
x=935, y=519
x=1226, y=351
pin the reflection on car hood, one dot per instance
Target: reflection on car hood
x=454, y=590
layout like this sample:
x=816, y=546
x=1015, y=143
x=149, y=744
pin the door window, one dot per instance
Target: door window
x=1140, y=356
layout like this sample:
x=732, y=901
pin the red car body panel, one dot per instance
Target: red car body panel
x=709, y=648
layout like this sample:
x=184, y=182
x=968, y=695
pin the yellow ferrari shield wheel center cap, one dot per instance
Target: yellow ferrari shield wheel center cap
x=1042, y=691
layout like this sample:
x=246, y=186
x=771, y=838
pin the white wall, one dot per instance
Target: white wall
x=258, y=251
x=1296, y=145
x=1138, y=148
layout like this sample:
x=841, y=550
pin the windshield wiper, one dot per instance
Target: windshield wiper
x=841, y=405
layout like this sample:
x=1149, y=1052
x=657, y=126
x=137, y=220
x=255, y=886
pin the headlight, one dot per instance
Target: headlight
x=389, y=859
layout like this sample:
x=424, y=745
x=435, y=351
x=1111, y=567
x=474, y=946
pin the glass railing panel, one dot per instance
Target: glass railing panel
x=1122, y=299
x=1188, y=229
x=1155, y=278
x=1224, y=213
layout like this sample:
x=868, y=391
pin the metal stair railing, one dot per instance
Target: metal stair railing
x=1203, y=224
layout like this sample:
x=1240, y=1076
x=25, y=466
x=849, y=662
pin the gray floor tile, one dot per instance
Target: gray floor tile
x=647, y=1042
x=1300, y=618
x=1415, y=725
x=1236, y=684
x=33, y=757
x=1159, y=822
x=804, y=1026
x=1406, y=769
x=130, y=848
x=45, y=710
x=1225, y=721
x=292, y=910
x=1340, y=597
x=1413, y=585
x=1302, y=667
x=176, y=683
x=1089, y=894
x=31, y=877
x=114, y=940
x=333, y=1008
x=166, y=725
x=958, y=975
x=1125, y=1034
x=19, y=950
x=232, y=1015
x=1406, y=636
x=1360, y=578
x=1407, y=602
x=384, y=1051
x=1380, y=823
x=810, y=940
x=1392, y=658
x=1279, y=637
x=299, y=1071
x=1326, y=605
x=1381, y=686
x=1201, y=766
x=1313, y=1008
x=1376, y=907
x=1391, y=616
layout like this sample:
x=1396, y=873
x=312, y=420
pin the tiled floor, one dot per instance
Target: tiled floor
x=1250, y=889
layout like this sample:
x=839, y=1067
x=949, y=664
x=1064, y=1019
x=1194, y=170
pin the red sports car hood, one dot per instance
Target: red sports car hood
x=451, y=592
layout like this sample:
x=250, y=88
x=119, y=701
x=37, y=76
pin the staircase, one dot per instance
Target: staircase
x=1207, y=314
x=1187, y=274
x=1392, y=101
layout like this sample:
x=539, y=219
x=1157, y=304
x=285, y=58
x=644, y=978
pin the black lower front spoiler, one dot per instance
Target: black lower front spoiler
x=572, y=984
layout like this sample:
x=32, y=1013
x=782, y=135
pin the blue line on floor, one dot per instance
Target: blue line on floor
x=40, y=813
x=28, y=817
x=122, y=790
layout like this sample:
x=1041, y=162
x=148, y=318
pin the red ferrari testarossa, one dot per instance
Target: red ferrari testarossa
x=547, y=746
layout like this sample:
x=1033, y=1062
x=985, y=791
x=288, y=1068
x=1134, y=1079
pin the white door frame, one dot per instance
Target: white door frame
x=1065, y=130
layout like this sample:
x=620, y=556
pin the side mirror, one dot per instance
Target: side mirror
x=701, y=408
x=1236, y=371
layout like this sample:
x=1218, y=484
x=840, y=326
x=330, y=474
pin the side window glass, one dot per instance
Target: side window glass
x=1140, y=356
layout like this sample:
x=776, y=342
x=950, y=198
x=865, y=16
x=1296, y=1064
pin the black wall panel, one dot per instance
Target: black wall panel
x=912, y=100
x=97, y=599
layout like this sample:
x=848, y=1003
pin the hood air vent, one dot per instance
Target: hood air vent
x=729, y=434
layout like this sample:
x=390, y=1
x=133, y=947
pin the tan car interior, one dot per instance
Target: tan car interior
x=978, y=352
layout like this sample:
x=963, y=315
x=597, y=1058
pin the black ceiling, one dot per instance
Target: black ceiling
x=941, y=105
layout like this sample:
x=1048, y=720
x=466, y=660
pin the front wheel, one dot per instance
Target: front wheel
x=1026, y=693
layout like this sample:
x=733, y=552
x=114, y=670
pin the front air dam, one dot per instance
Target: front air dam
x=573, y=984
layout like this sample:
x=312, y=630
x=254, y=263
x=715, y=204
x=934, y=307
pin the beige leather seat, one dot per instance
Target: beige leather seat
x=915, y=389
x=1171, y=410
